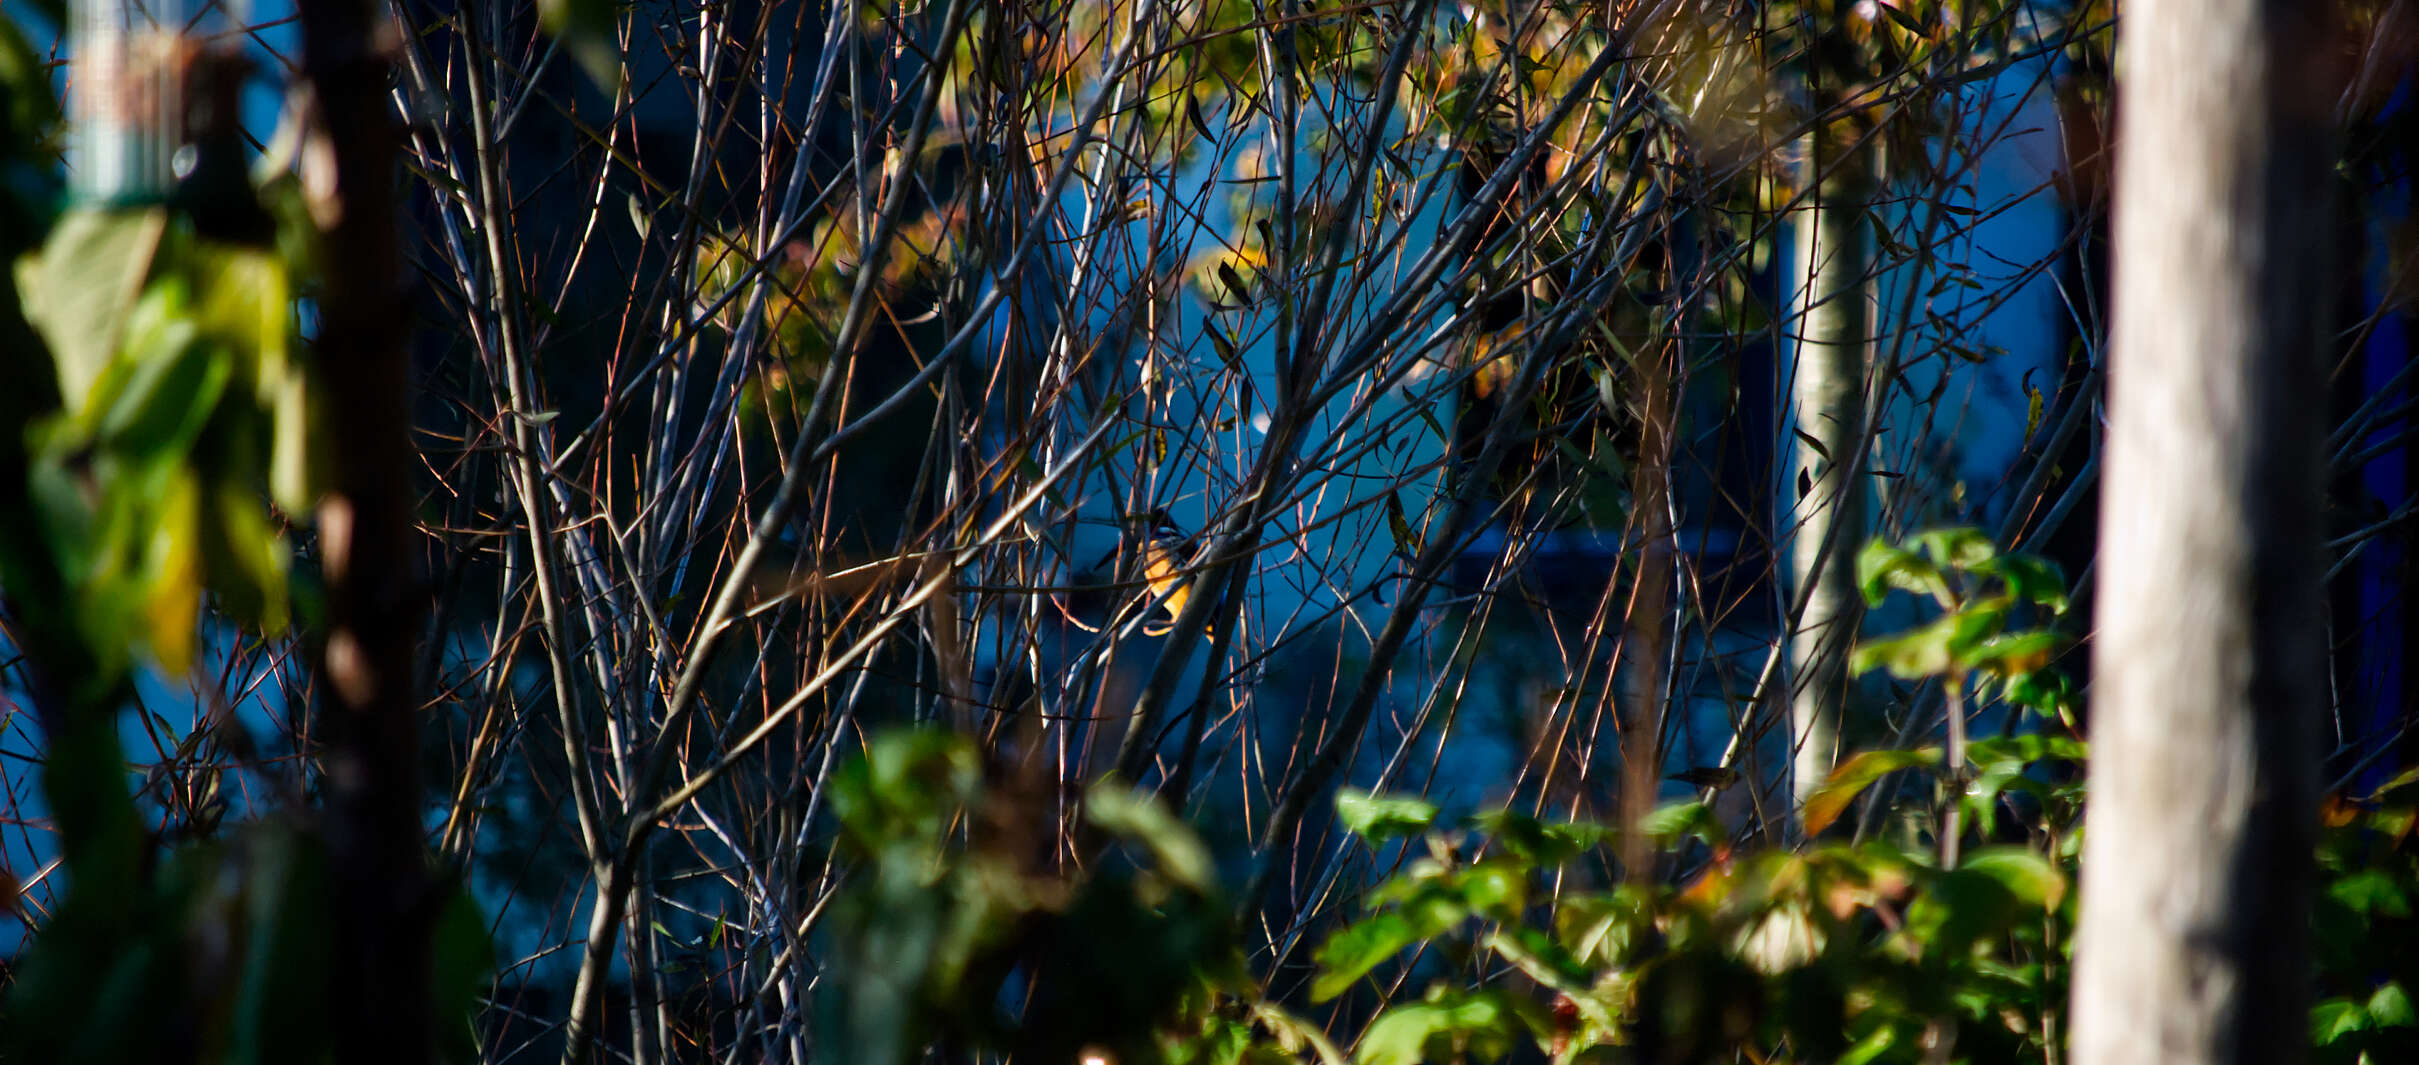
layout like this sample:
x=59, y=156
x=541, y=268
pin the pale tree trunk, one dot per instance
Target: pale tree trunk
x=2208, y=662
x=1823, y=505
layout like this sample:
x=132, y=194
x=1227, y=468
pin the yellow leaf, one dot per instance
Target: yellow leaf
x=172, y=568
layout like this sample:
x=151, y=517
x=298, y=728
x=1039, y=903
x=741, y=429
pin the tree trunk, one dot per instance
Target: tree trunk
x=1823, y=508
x=369, y=712
x=2208, y=662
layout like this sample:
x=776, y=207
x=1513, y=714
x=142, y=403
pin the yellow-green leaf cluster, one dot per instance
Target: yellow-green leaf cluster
x=185, y=409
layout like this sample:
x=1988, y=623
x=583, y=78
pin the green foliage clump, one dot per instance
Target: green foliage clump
x=960, y=927
x=159, y=404
x=1863, y=951
x=2366, y=927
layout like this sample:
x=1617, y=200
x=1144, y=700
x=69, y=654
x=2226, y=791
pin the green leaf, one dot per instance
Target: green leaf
x=162, y=392
x=639, y=220
x=2390, y=791
x=80, y=289
x=1476, y=1026
x=1599, y=929
x=1358, y=947
x=1930, y=649
x=2026, y=748
x=1978, y=622
x=1192, y=113
x=172, y=573
x=1496, y=888
x=2033, y=879
x=1294, y=1034
x=2335, y=1018
x=1831, y=798
x=1992, y=891
x=1881, y=566
x=1220, y=342
x=1533, y=952
x=1377, y=819
x=2390, y=1007
x=1426, y=890
x=1869, y=1049
x=1960, y=547
x=2033, y=580
x=1235, y=285
x=1542, y=842
x=245, y=558
x=2373, y=894
x=1219, y=1042
x=2045, y=691
x=281, y=996
x=888, y=933
x=1137, y=817
x=2014, y=653
x=906, y=786
x=587, y=30
x=1982, y=796
x=242, y=296
x=1680, y=820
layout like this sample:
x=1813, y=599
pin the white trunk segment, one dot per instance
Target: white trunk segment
x=2207, y=663
x=1819, y=505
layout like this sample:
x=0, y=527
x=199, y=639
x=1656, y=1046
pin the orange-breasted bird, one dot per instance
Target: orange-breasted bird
x=1166, y=551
